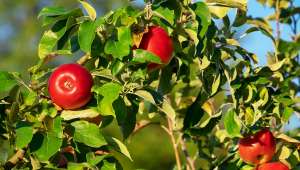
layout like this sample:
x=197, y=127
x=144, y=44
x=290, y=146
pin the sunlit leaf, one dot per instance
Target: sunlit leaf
x=232, y=124
x=88, y=133
x=89, y=9
x=74, y=114
x=24, y=134
x=110, y=93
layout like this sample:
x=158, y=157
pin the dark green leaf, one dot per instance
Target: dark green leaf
x=7, y=83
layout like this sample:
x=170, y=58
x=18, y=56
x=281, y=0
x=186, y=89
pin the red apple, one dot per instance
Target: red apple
x=258, y=148
x=273, y=166
x=158, y=42
x=70, y=86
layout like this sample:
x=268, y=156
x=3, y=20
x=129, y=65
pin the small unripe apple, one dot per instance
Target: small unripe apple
x=273, y=166
x=158, y=42
x=258, y=148
x=70, y=86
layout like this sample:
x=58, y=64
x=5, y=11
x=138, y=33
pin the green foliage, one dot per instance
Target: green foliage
x=209, y=95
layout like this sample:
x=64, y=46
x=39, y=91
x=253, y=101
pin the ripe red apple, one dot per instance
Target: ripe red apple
x=258, y=148
x=273, y=166
x=70, y=86
x=158, y=42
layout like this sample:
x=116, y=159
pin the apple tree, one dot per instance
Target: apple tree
x=176, y=63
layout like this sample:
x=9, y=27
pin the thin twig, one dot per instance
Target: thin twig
x=84, y=59
x=176, y=152
x=278, y=33
x=189, y=160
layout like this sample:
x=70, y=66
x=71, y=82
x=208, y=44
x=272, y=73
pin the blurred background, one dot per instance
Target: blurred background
x=20, y=31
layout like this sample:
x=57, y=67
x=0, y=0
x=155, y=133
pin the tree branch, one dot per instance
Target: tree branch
x=12, y=162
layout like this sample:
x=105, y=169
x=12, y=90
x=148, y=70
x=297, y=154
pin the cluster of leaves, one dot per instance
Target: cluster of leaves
x=211, y=93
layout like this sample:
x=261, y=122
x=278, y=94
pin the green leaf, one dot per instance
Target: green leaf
x=143, y=56
x=165, y=13
x=7, y=83
x=146, y=96
x=50, y=145
x=75, y=114
x=121, y=48
x=88, y=133
x=232, y=123
x=120, y=147
x=247, y=167
x=285, y=152
x=110, y=92
x=108, y=165
x=219, y=11
x=124, y=35
x=51, y=37
x=86, y=35
x=89, y=9
x=52, y=11
x=30, y=98
x=24, y=134
x=92, y=159
x=162, y=104
x=202, y=11
x=241, y=4
x=216, y=84
x=47, y=43
x=168, y=110
x=52, y=15
x=277, y=66
x=287, y=113
x=117, y=49
x=52, y=141
x=78, y=166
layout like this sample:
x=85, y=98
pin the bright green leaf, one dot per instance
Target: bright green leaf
x=108, y=166
x=165, y=14
x=88, y=133
x=110, y=93
x=143, y=56
x=89, y=9
x=202, y=11
x=86, y=35
x=232, y=124
x=74, y=114
x=24, y=134
x=50, y=146
x=120, y=147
